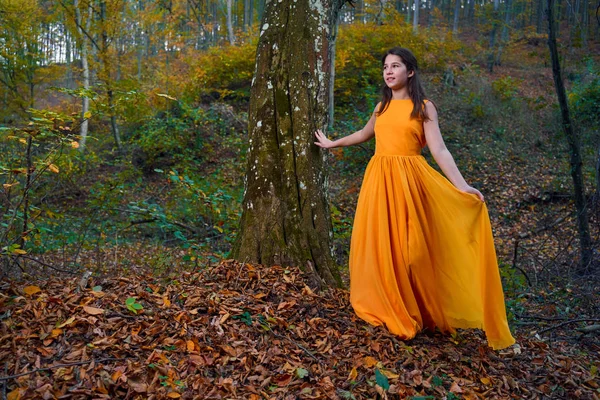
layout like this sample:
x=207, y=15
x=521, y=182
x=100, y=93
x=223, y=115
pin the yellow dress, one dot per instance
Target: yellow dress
x=422, y=253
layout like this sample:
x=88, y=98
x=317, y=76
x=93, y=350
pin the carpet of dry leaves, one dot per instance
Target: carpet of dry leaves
x=251, y=332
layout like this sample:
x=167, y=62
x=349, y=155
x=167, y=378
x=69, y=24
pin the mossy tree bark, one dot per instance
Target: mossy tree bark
x=286, y=218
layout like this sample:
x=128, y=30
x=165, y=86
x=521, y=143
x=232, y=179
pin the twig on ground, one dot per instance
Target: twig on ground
x=541, y=318
x=4, y=383
x=297, y=345
x=526, y=235
x=515, y=266
x=5, y=378
x=589, y=328
x=46, y=264
x=567, y=323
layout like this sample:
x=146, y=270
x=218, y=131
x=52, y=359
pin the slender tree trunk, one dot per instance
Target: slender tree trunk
x=247, y=15
x=331, y=107
x=585, y=242
x=507, y=17
x=504, y=36
x=408, y=11
x=107, y=78
x=26, y=190
x=85, y=106
x=597, y=195
x=456, y=14
x=360, y=11
x=381, y=12
x=585, y=23
x=261, y=9
x=215, y=23
x=430, y=8
x=230, y=23
x=68, y=59
x=492, y=53
x=472, y=10
x=540, y=16
x=286, y=218
x=416, y=16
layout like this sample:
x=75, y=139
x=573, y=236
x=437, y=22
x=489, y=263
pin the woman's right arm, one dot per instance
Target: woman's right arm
x=357, y=137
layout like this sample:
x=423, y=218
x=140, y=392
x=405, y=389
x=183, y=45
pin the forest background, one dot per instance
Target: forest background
x=124, y=142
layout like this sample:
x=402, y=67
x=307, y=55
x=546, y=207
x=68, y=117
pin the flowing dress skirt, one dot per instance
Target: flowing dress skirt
x=422, y=254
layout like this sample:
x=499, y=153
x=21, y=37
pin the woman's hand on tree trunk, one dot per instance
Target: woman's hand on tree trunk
x=322, y=140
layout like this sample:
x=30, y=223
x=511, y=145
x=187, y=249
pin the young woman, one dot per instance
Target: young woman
x=422, y=253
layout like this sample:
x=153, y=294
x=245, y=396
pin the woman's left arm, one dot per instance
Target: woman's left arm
x=440, y=152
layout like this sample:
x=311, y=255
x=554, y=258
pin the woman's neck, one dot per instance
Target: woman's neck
x=400, y=94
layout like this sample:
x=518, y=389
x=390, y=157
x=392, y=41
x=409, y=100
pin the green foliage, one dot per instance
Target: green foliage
x=30, y=162
x=21, y=55
x=223, y=73
x=245, y=317
x=301, y=373
x=133, y=305
x=584, y=99
x=346, y=394
x=359, y=49
x=381, y=380
x=506, y=87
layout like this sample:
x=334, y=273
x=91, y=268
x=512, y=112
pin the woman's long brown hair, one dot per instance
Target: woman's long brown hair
x=415, y=88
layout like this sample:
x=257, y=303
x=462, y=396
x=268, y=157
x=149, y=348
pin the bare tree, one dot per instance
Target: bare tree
x=585, y=241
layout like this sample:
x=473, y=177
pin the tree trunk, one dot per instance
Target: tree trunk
x=25, y=227
x=585, y=25
x=430, y=8
x=456, y=14
x=286, y=218
x=381, y=12
x=360, y=11
x=416, y=16
x=247, y=14
x=230, y=23
x=492, y=53
x=540, y=16
x=472, y=10
x=585, y=242
x=507, y=17
x=85, y=101
x=504, y=36
x=107, y=78
x=68, y=59
x=597, y=195
x=331, y=105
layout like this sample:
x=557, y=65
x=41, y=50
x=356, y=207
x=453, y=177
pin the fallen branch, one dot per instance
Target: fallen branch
x=539, y=230
x=298, y=345
x=4, y=383
x=521, y=236
x=154, y=219
x=567, y=323
x=5, y=378
x=541, y=318
x=589, y=328
x=45, y=264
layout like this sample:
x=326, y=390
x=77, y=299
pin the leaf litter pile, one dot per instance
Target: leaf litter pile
x=251, y=332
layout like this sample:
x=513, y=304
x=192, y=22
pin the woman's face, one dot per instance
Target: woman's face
x=395, y=74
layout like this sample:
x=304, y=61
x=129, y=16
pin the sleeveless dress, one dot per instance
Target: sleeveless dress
x=422, y=253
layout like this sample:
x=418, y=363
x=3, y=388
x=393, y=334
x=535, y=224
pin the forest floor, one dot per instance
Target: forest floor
x=251, y=332
x=149, y=324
